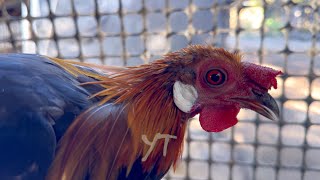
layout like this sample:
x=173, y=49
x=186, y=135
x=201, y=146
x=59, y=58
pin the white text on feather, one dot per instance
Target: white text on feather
x=152, y=144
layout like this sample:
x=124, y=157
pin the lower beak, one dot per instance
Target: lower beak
x=262, y=103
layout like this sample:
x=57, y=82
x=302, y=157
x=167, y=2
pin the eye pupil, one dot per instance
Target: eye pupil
x=215, y=77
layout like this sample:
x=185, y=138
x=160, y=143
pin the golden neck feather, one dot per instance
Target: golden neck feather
x=146, y=92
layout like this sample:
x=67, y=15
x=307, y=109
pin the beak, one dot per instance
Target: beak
x=262, y=103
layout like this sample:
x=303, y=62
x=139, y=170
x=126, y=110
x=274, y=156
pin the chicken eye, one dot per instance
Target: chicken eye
x=215, y=77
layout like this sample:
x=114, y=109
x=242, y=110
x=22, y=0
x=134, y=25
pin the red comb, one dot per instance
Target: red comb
x=264, y=76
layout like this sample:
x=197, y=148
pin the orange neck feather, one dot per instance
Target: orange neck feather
x=147, y=93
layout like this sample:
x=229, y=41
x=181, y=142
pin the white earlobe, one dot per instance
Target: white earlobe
x=184, y=96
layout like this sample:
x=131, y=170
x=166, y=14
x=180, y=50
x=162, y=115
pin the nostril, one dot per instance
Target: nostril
x=257, y=92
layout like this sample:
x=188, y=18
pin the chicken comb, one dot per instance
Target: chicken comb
x=263, y=76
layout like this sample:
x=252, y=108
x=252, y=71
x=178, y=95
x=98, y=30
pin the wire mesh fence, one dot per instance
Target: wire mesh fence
x=283, y=34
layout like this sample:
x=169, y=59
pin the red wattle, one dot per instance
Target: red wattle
x=216, y=119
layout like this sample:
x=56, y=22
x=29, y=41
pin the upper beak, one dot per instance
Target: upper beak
x=262, y=103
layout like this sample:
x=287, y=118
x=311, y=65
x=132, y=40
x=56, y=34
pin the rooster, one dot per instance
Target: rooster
x=67, y=120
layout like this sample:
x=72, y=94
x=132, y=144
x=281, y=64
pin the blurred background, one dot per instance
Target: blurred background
x=284, y=34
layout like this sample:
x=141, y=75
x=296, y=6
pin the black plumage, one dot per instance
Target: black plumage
x=38, y=101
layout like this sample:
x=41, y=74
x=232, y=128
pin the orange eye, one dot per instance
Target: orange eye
x=215, y=77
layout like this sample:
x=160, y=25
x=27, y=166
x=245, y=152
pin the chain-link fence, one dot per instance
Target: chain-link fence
x=280, y=33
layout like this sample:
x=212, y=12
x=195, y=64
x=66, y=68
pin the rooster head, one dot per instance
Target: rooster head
x=216, y=84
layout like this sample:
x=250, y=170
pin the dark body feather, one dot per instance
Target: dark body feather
x=38, y=101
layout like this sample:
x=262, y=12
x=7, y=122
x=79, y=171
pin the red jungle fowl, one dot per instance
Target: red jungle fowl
x=67, y=120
